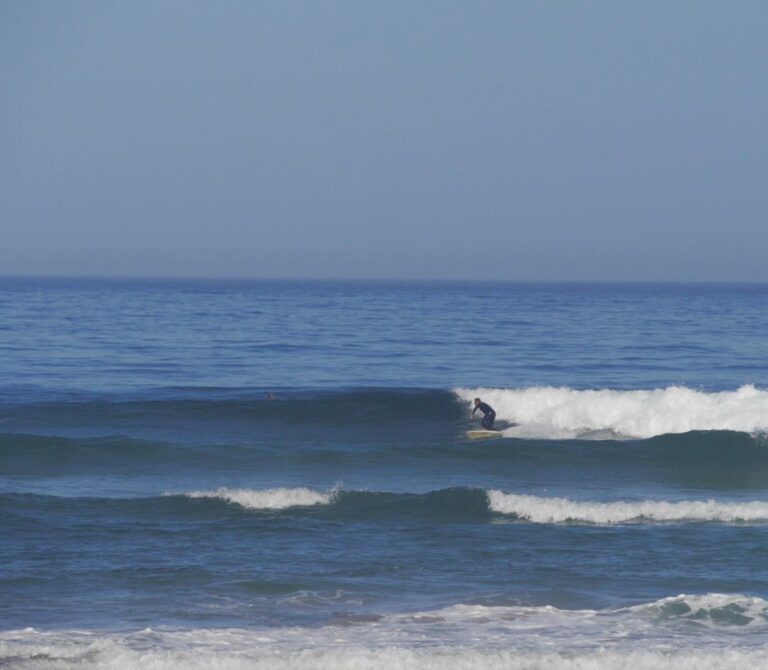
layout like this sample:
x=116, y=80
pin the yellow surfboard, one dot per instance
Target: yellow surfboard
x=483, y=434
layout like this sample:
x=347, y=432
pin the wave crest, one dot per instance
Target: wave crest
x=558, y=510
x=269, y=499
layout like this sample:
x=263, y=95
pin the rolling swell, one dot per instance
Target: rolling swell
x=451, y=505
x=717, y=460
x=548, y=413
x=219, y=405
x=47, y=456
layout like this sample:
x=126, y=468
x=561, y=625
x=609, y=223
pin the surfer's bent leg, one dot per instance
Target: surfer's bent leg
x=488, y=420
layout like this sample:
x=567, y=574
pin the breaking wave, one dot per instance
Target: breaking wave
x=558, y=510
x=562, y=413
x=268, y=499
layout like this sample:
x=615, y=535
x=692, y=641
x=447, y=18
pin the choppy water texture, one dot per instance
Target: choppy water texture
x=158, y=509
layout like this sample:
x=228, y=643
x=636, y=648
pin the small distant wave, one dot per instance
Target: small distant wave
x=452, y=504
x=471, y=504
x=268, y=499
x=558, y=510
x=562, y=413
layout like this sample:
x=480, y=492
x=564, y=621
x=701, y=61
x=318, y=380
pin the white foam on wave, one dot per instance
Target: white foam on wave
x=713, y=611
x=561, y=412
x=557, y=510
x=269, y=499
x=662, y=635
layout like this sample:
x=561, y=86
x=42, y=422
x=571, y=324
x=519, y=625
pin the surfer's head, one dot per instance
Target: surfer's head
x=477, y=401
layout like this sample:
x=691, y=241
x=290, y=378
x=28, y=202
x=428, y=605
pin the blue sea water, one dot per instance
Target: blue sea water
x=245, y=474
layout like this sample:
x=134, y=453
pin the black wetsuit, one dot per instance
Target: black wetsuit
x=489, y=416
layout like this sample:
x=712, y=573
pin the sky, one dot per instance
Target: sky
x=514, y=140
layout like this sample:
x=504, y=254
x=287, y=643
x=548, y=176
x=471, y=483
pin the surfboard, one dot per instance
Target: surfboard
x=483, y=434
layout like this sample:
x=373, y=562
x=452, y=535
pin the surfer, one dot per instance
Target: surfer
x=489, y=415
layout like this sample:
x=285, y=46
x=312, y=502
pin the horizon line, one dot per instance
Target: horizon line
x=381, y=280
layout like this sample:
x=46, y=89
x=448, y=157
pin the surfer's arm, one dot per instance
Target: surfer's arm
x=473, y=411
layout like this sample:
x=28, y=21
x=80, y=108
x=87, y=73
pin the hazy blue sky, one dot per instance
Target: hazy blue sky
x=489, y=140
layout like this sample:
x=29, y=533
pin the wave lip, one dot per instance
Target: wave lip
x=562, y=413
x=557, y=510
x=269, y=499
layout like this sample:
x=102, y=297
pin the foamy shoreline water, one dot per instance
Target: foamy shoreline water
x=650, y=635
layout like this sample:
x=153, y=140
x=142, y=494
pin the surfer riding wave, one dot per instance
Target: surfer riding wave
x=489, y=415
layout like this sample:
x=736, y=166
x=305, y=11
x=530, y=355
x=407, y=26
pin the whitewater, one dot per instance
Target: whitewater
x=560, y=412
x=648, y=635
x=270, y=499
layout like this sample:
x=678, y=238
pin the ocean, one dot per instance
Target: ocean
x=274, y=474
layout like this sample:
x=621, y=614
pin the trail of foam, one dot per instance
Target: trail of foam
x=268, y=499
x=556, y=510
x=560, y=413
